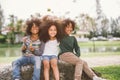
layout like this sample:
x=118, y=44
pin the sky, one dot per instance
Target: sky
x=24, y=8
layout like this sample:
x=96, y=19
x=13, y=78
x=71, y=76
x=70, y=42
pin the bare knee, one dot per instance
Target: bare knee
x=85, y=63
x=46, y=64
x=53, y=63
x=80, y=61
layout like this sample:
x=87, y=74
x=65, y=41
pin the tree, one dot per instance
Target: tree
x=115, y=27
x=1, y=18
x=19, y=26
x=86, y=23
x=11, y=34
x=104, y=27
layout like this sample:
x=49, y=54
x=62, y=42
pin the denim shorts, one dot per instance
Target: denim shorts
x=47, y=57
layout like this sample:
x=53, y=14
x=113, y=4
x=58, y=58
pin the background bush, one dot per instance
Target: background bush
x=2, y=38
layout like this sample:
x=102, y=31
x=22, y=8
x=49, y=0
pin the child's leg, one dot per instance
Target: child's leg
x=16, y=66
x=73, y=59
x=88, y=70
x=46, y=69
x=54, y=66
x=36, y=60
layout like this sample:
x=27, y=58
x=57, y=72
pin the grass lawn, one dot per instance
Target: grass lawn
x=99, y=43
x=109, y=72
x=7, y=59
x=95, y=54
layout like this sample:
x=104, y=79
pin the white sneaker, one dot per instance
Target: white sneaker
x=98, y=78
x=17, y=79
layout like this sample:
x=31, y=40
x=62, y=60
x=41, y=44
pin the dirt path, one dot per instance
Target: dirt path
x=103, y=60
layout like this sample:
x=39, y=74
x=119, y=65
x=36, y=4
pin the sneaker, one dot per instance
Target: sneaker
x=98, y=78
x=17, y=79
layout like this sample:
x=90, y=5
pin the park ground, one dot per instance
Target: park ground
x=103, y=60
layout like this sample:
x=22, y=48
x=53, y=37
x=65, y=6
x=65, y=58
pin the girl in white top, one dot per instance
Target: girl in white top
x=51, y=36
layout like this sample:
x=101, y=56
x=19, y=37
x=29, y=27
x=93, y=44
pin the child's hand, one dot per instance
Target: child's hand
x=24, y=39
x=23, y=47
x=31, y=48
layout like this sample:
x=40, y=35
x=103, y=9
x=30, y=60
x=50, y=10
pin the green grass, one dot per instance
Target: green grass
x=95, y=54
x=109, y=72
x=99, y=43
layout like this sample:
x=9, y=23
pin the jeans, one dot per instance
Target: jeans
x=35, y=60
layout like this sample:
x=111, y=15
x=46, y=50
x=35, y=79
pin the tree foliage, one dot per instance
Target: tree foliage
x=1, y=18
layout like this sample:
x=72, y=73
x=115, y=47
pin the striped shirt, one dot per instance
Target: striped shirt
x=35, y=44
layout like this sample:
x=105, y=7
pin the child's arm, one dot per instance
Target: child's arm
x=39, y=52
x=77, y=48
x=32, y=49
x=23, y=49
x=25, y=53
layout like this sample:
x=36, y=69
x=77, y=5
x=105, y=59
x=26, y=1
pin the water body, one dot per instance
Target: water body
x=10, y=52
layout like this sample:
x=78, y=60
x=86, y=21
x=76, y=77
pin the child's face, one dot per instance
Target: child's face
x=34, y=29
x=52, y=31
x=68, y=29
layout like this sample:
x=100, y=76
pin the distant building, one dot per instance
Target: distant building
x=82, y=33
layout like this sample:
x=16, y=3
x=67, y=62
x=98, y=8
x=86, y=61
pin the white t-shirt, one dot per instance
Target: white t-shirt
x=51, y=48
